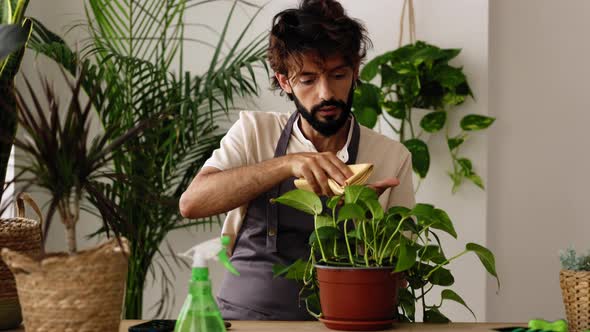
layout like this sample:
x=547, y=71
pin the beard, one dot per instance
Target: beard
x=333, y=123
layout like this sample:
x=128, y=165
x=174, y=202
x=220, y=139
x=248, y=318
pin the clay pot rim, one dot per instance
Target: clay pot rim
x=330, y=267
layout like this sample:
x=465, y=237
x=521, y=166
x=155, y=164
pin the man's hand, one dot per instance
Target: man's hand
x=381, y=186
x=317, y=168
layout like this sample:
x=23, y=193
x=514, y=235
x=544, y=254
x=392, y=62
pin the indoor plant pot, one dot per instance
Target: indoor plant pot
x=62, y=292
x=374, y=290
x=23, y=235
x=574, y=279
x=358, y=238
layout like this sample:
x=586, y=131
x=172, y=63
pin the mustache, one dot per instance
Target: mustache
x=326, y=103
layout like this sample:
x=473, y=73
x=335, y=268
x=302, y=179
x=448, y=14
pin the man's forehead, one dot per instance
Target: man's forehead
x=311, y=63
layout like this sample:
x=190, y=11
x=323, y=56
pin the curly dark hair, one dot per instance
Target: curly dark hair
x=317, y=27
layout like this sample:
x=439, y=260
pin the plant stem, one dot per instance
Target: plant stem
x=391, y=238
x=317, y=235
x=445, y=263
x=347, y=243
x=365, y=254
x=423, y=304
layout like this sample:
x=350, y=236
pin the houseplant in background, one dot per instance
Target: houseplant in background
x=78, y=290
x=356, y=244
x=14, y=32
x=574, y=279
x=142, y=63
x=417, y=81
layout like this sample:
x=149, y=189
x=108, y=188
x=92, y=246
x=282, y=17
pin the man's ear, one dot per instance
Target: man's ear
x=284, y=82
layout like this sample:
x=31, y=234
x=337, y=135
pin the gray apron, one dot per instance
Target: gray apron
x=271, y=234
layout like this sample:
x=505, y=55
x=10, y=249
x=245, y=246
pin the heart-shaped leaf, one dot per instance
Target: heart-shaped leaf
x=448, y=294
x=473, y=122
x=301, y=200
x=420, y=156
x=434, y=121
x=486, y=257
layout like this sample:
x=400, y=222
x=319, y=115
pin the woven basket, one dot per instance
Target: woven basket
x=575, y=288
x=22, y=235
x=82, y=292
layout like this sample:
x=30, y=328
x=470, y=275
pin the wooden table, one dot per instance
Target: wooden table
x=284, y=326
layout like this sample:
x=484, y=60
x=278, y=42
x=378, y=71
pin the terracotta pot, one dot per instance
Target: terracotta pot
x=358, y=298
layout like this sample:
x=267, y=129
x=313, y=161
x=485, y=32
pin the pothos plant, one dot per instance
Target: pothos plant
x=413, y=79
x=355, y=231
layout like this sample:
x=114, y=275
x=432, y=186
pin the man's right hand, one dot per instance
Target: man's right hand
x=317, y=167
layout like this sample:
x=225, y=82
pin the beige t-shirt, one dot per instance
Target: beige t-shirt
x=254, y=137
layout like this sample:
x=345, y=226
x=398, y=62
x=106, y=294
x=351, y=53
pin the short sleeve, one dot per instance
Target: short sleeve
x=403, y=194
x=233, y=149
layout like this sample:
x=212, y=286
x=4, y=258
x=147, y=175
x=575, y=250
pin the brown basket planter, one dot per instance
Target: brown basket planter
x=355, y=299
x=575, y=288
x=23, y=235
x=81, y=292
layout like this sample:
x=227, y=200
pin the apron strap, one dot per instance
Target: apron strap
x=272, y=211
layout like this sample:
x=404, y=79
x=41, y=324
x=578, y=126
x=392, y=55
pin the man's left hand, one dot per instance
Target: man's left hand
x=381, y=186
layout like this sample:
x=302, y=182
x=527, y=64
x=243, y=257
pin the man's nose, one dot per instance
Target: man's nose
x=325, y=91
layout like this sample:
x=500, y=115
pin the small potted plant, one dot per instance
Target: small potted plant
x=360, y=255
x=78, y=290
x=574, y=279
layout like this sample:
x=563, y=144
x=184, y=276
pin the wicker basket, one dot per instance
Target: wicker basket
x=22, y=235
x=575, y=288
x=82, y=292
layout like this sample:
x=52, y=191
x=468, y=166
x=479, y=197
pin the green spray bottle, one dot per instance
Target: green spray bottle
x=200, y=312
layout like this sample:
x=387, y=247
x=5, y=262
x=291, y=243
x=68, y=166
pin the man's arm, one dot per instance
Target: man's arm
x=213, y=191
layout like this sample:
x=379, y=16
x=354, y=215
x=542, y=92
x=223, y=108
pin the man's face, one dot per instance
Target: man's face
x=322, y=93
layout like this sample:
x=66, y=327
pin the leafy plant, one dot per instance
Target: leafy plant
x=14, y=32
x=60, y=157
x=357, y=232
x=419, y=76
x=571, y=261
x=137, y=48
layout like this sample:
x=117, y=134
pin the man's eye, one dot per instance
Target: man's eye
x=306, y=82
x=339, y=76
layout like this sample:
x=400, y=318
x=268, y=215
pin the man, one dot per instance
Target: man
x=315, y=51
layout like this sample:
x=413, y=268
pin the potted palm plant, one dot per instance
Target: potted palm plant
x=359, y=255
x=78, y=290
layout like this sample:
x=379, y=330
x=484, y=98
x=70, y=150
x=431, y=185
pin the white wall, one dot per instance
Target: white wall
x=452, y=23
x=538, y=151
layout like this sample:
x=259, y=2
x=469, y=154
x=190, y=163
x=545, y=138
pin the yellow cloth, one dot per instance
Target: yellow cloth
x=362, y=172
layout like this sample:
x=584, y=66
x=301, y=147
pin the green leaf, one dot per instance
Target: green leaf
x=388, y=76
x=371, y=69
x=473, y=122
x=466, y=165
x=444, y=223
x=405, y=69
x=441, y=277
x=452, y=98
x=367, y=95
x=476, y=179
x=396, y=109
x=432, y=253
x=351, y=211
x=399, y=210
x=355, y=193
x=406, y=258
x=486, y=257
x=435, y=316
x=455, y=142
x=295, y=271
x=420, y=156
x=424, y=211
x=434, y=121
x=302, y=200
x=333, y=201
x=325, y=233
x=367, y=116
x=323, y=220
x=12, y=37
x=448, y=294
x=355, y=234
x=375, y=208
x=449, y=77
x=6, y=17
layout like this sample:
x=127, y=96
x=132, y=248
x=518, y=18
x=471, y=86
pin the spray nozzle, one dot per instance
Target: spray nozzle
x=212, y=249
